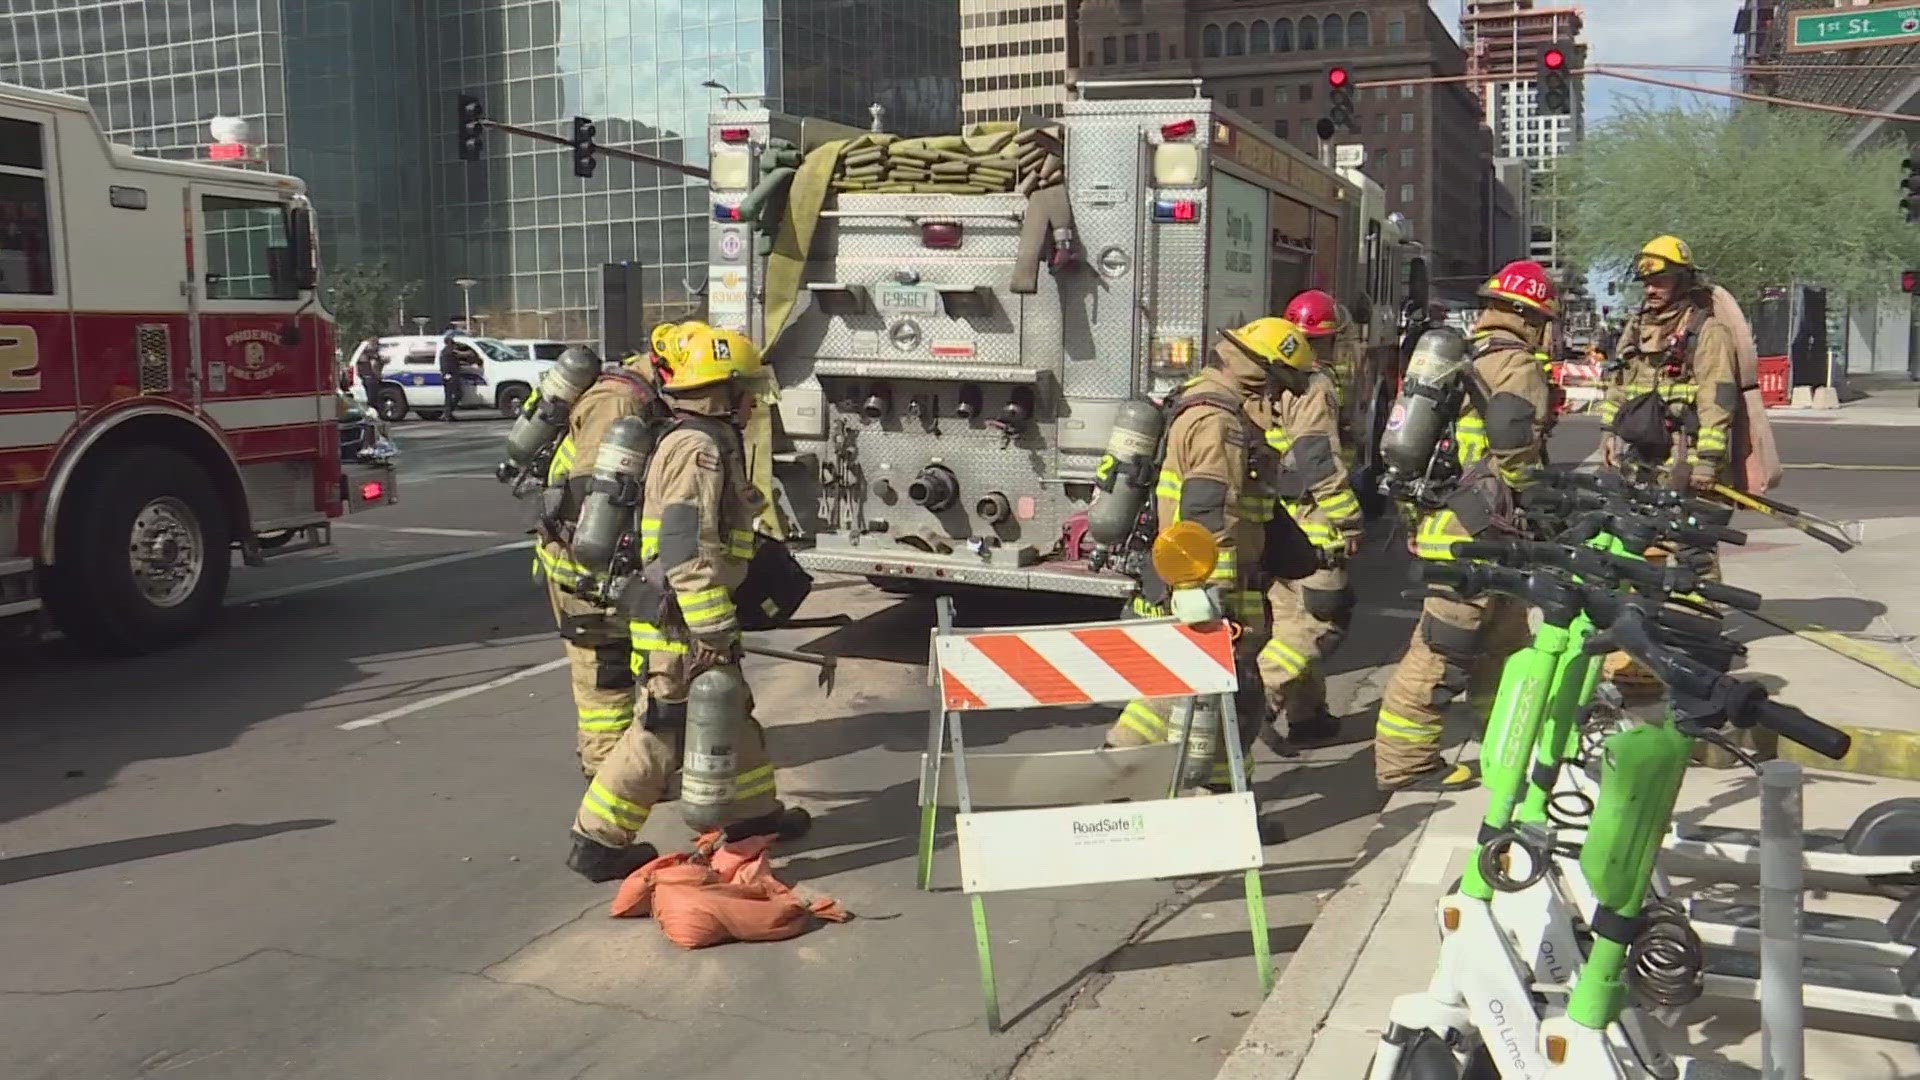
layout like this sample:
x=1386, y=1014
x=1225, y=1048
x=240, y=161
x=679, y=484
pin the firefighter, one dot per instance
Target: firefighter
x=1459, y=643
x=1308, y=617
x=1679, y=390
x=605, y=697
x=1212, y=448
x=696, y=538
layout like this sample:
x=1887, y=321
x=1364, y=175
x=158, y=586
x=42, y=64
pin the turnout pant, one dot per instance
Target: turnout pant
x=606, y=696
x=1310, y=618
x=635, y=775
x=1457, y=648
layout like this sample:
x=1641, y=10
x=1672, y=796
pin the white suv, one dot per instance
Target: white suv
x=410, y=377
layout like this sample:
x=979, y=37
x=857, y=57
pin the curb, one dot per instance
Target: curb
x=1876, y=752
x=1282, y=1031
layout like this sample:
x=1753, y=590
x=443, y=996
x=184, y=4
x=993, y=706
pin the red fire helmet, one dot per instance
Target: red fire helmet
x=1313, y=312
x=1525, y=283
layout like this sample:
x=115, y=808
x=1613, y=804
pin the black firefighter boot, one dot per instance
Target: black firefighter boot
x=786, y=823
x=598, y=863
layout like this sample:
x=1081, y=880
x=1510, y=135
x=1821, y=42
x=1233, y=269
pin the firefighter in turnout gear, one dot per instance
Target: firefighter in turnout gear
x=1459, y=644
x=1213, y=456
x=696, y=540
x=1308, y=617
x=605, y=698
x=1679, y=391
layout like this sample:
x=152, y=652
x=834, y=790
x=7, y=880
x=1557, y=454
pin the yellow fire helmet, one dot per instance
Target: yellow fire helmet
x=1274, y=341
x=1661, y=255
x=661, y=337
x=712, y=357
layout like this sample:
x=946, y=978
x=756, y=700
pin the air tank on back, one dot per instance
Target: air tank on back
x=1125, y=478
x=619, y=469
x=544, y=417
x=1426, y=405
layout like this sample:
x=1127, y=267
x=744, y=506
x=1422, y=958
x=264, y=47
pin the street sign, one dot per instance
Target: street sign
x=1826, y=29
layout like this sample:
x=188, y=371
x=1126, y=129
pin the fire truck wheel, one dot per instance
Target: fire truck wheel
x=144, y=560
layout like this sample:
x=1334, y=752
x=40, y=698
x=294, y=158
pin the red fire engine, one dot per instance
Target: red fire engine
x=166, y=389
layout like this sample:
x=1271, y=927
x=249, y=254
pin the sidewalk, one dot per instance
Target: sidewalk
x=1376, y=937
x=1821, y=605
x=1883, y=401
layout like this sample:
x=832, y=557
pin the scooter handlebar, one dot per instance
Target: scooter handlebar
x=1790, y=723
x=1731, y=595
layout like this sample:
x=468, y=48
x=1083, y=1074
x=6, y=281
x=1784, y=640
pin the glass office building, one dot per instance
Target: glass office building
x=357, y=98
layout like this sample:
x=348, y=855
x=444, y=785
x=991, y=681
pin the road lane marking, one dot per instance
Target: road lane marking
x=1853, y=468
x=438, y=700
x=418, y=530
x=385, y=571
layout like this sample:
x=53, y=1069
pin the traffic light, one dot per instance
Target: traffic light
x=1340, y=113
x=583, y=159
x=1551, y=82
x=1910, y=190
x=1908, y=279
x=471, y=113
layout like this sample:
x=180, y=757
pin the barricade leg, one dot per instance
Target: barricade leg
x=982, y=943
x=936, y=743
x=1256, y=893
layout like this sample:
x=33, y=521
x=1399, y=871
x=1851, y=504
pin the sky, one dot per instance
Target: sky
x=1644, y=32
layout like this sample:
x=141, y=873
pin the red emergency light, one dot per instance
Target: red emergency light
x=1554, y=59
x=734, y=135
x=726, y=213
x=943, y=235
x=1338, y=78
x=1182, y=210
x=372, y=491
x=1183, y=129
x=227, y=152
x=1909, y=279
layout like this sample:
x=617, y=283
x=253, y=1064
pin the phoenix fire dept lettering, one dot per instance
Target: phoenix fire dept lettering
x=255, y=363
x=19, y=360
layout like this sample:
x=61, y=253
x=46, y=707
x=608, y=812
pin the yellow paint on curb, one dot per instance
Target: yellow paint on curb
x=1894, y=665
x=1876, y=752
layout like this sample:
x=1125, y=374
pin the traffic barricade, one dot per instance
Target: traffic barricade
x=1056, y=819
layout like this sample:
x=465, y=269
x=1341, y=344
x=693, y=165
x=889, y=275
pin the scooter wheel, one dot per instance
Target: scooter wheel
x=1427, y=1058
x=1480, y=1065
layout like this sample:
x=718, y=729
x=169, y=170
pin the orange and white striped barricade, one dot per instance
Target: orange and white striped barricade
x=1059, y=820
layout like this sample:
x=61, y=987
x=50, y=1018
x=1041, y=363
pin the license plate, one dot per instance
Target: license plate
x=908, y=299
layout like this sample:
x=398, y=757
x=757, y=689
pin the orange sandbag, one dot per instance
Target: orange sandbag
x=721, y=892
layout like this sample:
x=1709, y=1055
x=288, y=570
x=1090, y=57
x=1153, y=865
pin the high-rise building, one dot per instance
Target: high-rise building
x=1504, y=39
x=1268, y=60
x=357, y=97
x=1016, y=56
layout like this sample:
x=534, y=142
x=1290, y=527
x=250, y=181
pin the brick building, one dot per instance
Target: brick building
x=1426, y=145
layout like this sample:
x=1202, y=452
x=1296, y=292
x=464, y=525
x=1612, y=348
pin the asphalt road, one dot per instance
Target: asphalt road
x=301, y=846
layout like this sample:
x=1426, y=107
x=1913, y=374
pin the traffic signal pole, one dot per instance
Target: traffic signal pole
x=635, y=156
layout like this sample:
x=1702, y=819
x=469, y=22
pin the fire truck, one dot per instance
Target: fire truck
x=166, y=381
x=937, y=425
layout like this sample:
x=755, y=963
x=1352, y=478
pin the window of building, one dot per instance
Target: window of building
x=1236, y=39
x=1283, y=35
x=1132, y=47
x=247, y=250
x=1406, y=194
x=1282, y=95
x=1173, y=51
x=1406, y=92
x=1280, y=128
x=1309, y=34
x=1380, y=124
x=1256, y=97
x=1306, y=91
x=1406, y=157
x=1378, y=159
x=1210, y=41
x=1396, y=32
x=1153, y=45
x=1406, y=123
x=1233, y=99
x=26, y=238
x=1359, y=31
x=1333, y=32
x=1109, y=51
x=1260, y=37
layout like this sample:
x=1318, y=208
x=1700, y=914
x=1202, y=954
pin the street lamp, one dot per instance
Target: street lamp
x=420, y=324
x=466, y=292
x=712, y=84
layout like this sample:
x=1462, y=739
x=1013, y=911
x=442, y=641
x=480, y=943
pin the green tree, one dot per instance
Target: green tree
x=1762, y=196
x=365, y=301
